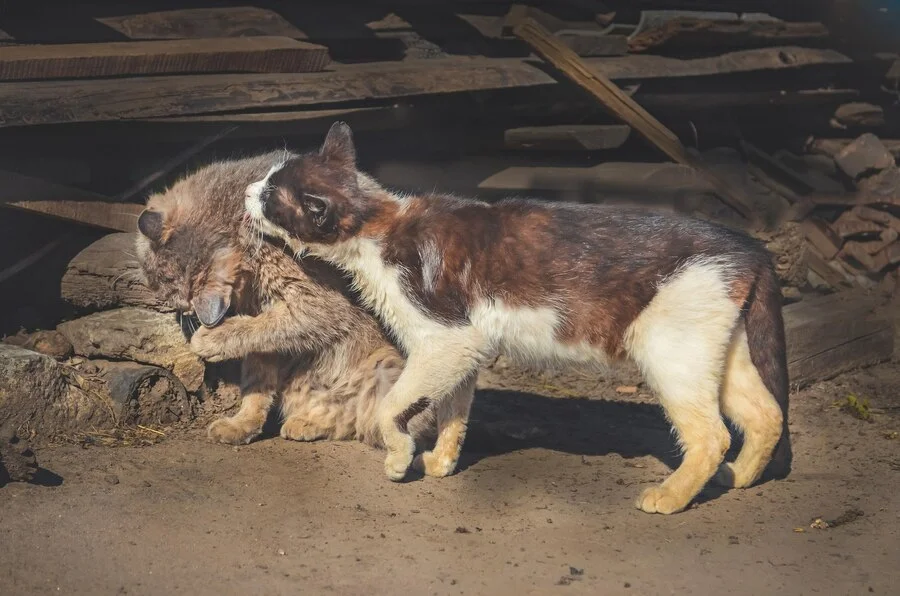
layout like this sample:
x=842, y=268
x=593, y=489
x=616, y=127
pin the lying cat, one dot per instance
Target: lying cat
x=295, y=326
x=695, y=305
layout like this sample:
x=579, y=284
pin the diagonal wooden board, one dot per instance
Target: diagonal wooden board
x=239, y=54
x=64, y=202
x=625, y=108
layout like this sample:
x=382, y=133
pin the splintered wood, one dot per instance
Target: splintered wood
x=862, y=242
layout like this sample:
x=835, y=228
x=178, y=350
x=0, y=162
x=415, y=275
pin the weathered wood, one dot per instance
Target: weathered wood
x=607, y=181
x=584, y=137
x=627, y=109
x=141, y=394
x=593, y=43
x=865, y=155
x=833, y=334
x=850, y=224
x=824, y=269
x=46, y=102
x=822, y=236
x=858, y=115
x=106, y=275
x=227, y=21
x=240, y=54
x=877, y=215
x=49, y=343
x=39, y=396
x=686, y=32
x=63, y=202
x=831, y=147
x=136, y=334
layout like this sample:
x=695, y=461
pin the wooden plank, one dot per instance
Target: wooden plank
x=608, y=181
x=627, y=109
x=831, y=147
x=583, y=137
x=63, y=202
x=229, y=21
x=822, y=236
x=687, y=32
x=833, y=334
x=241, y=54
x=46, y=102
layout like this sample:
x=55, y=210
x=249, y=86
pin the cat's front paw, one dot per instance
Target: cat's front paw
x=661, y=499
x=298, y=429
x=232, y=431
x=208, y=344
x=435, y=465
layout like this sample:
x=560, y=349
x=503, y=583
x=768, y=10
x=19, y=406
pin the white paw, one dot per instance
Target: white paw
x=396, y=464
x=231, y=431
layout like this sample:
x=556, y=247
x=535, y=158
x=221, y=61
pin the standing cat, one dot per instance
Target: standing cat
x=295, y=326
x=695, y=305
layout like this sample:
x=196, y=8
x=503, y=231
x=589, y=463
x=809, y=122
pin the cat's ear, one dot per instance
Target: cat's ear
x=338, y=147
x=320, y=209
x=150, y=224
x=211, y=306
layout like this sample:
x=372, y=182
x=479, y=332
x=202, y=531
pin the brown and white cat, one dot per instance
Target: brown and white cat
x=295, y=325
x=695, y=305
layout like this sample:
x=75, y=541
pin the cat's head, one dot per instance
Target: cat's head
x=316, y=198
x=192, y=263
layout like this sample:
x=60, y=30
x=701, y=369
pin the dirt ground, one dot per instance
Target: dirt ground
x=542, y=505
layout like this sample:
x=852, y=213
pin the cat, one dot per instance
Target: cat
x=295, y=325
x=697, y=306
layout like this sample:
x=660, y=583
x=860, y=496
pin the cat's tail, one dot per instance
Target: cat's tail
x=768, y=352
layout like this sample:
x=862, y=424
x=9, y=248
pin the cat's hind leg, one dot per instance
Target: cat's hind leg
x=259, y=382
x=753, y=410
x=680, y=342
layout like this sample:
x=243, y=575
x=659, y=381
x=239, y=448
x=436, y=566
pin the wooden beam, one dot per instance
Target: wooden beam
x=48, y=102
x=686, y=32
x=578, y=137
x=833, y=334
x=226, y=21
x=63, y=202
x=627, y=110
x=83, y=60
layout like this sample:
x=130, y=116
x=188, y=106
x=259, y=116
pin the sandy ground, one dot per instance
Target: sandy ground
x=542, y=505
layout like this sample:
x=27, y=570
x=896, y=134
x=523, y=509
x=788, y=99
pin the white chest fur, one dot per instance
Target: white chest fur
x=381, y=290
x=526, y=334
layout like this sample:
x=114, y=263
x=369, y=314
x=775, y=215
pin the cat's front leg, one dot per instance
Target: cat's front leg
x=259, y=382
x=226, y=341
x=431, y=375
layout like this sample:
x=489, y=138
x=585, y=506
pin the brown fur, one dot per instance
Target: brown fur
x=334, y=364
x=458, y=281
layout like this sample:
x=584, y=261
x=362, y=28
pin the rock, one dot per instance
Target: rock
x=865, y=155
x=136, y=334
x=39, y=396
x=17, y=460
x=49, y=343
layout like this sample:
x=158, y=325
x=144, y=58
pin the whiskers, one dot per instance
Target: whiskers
x=187, y=323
